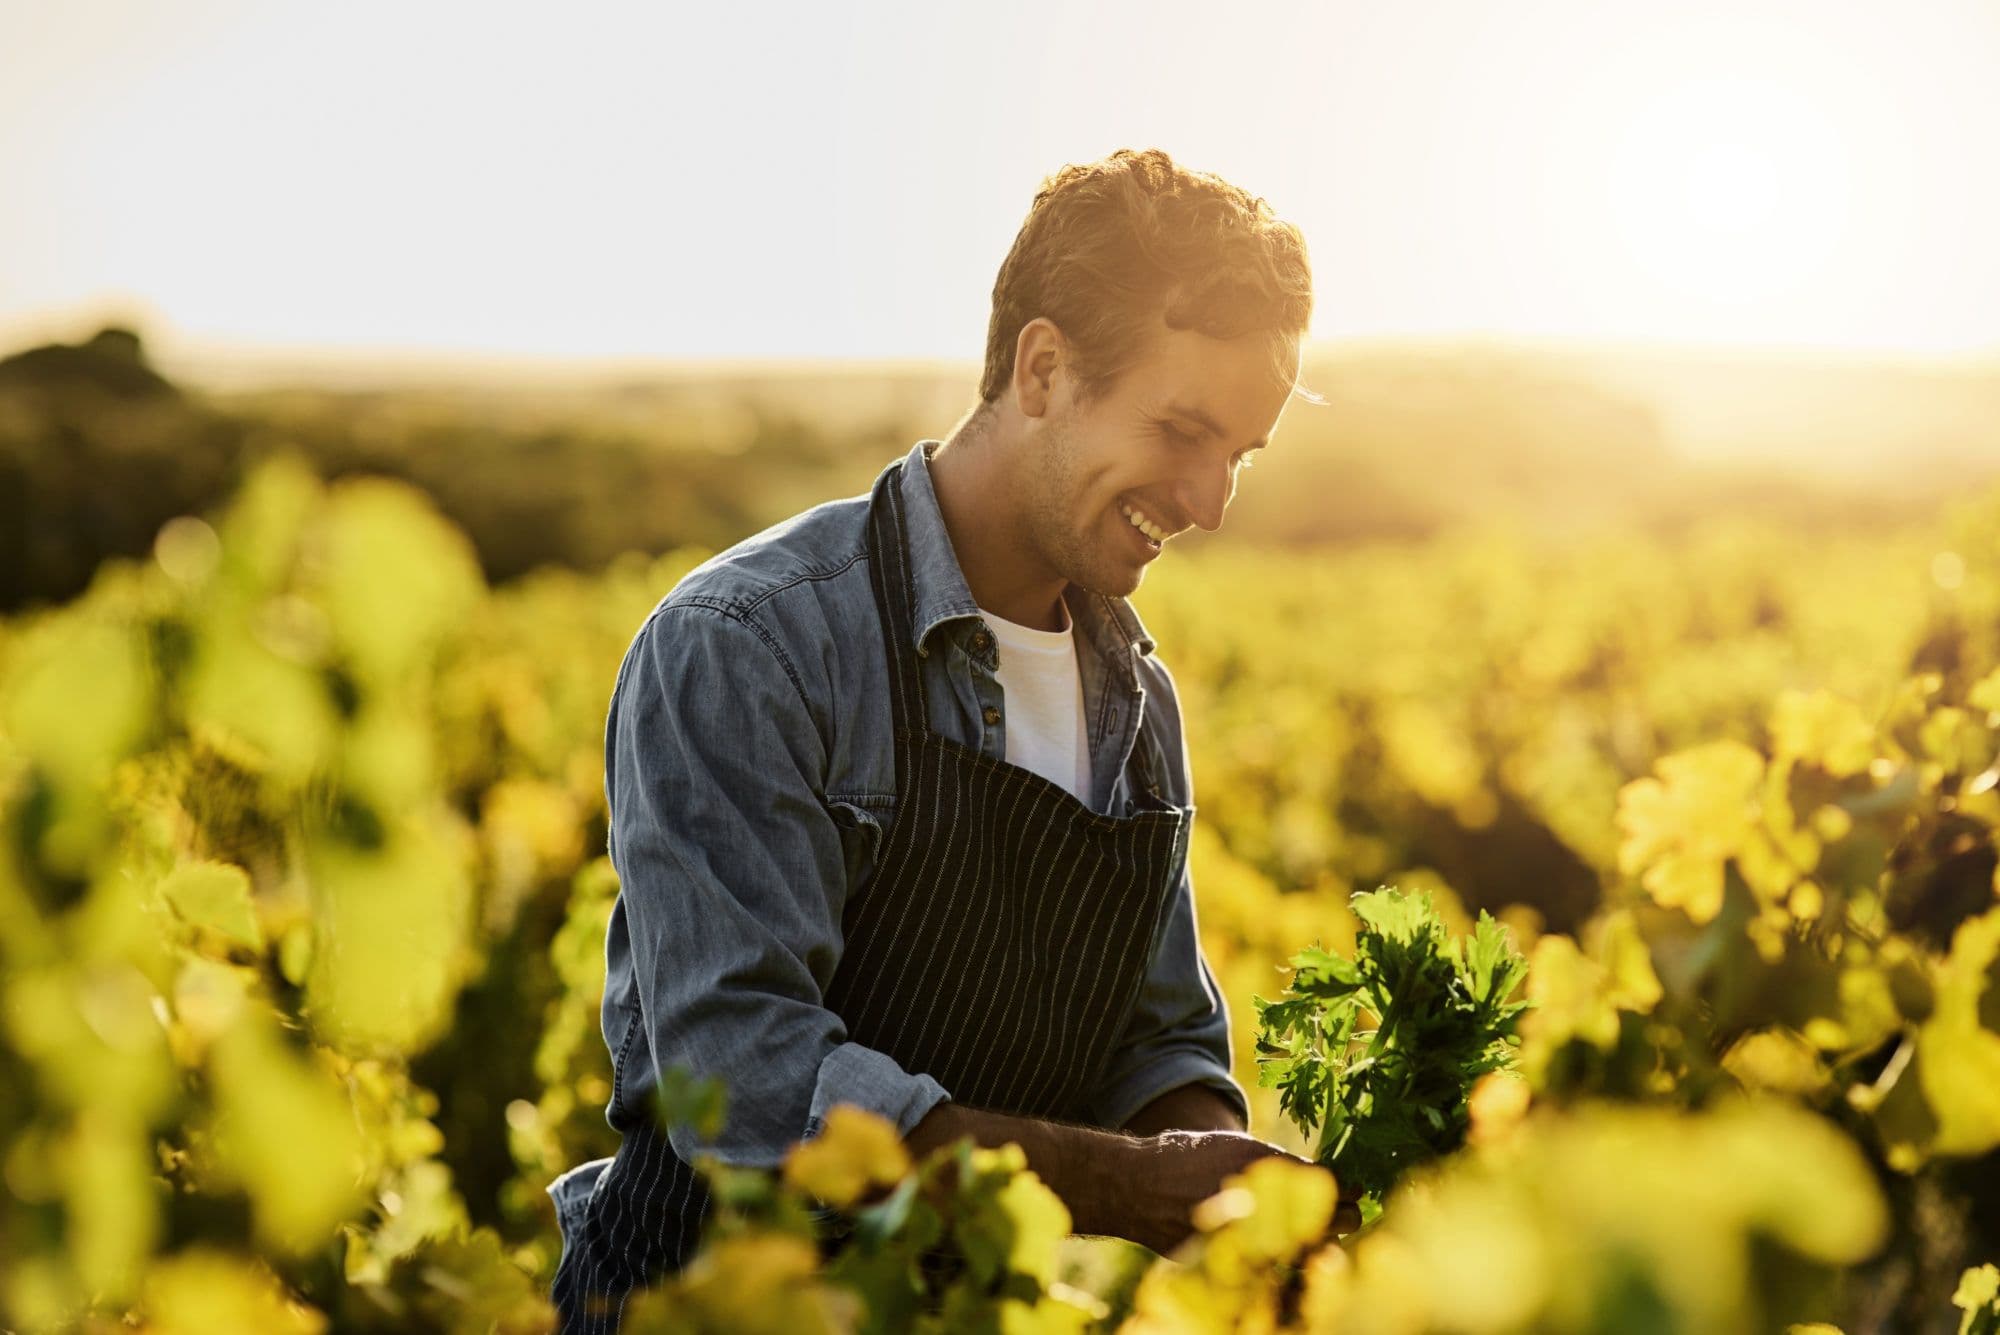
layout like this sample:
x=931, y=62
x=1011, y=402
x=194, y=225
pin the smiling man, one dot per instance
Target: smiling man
x=899, y=798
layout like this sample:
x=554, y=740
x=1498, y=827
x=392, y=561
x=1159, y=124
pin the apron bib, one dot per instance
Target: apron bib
x=999, y=947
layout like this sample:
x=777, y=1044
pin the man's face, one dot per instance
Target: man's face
x=1165, y=443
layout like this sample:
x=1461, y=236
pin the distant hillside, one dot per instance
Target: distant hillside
x=1831, y=413
x=1847, y=415
x=574, y=465
x=97, y=451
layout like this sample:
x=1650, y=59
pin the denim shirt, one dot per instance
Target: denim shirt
x=750, y=771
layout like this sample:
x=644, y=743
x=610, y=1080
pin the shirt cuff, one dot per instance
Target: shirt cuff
x=872, y=1080
x=1168, y=1071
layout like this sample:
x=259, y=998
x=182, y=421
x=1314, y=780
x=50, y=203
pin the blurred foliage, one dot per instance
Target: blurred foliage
x=851, y=1235
x=303, y=898
x=1979, y=1295
x=302, y=853
x=1737, y=1219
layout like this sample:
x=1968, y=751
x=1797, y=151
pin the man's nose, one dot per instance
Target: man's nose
x=1205, y=494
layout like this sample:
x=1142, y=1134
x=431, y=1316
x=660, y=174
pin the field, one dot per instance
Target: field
x=303, y=895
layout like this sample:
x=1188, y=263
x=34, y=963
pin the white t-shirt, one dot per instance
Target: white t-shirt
x=1044, y=698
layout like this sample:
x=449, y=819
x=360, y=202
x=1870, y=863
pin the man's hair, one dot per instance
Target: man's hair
x=1117, y=251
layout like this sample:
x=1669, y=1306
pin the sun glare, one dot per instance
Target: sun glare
x=1740, y=172
x=1732, y=194
x=1730, y=189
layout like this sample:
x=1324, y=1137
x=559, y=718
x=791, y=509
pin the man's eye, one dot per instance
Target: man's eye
x=1174, y=433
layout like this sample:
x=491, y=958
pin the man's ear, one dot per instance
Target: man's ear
x=1039, y=350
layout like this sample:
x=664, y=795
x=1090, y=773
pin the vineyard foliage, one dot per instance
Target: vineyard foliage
x=303, y=899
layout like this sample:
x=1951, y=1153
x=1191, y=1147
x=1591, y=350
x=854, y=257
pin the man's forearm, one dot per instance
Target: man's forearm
x=1191, y=1107
x=1079, y=1163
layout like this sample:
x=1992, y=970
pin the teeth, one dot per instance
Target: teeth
x=1143, y=524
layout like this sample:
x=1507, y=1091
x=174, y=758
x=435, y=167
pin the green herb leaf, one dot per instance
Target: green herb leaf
x=1380, y=1100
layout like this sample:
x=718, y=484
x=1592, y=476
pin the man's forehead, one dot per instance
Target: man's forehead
x=1211, y=374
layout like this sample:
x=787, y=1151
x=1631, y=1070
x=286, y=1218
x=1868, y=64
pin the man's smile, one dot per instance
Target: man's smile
x=1143, y=522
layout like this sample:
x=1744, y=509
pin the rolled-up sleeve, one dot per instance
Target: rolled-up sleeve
x=732, y=884
x=1179, y=1033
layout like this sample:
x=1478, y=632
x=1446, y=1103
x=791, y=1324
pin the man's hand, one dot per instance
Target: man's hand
x=1140, y=1188
x=1181, y=1169
x=1167, y=1175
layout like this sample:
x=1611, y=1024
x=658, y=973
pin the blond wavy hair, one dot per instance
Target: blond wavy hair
x=1118, y=251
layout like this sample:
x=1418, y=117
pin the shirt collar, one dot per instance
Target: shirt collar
x=1107, y=623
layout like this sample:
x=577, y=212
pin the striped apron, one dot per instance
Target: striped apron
x=1000, y=947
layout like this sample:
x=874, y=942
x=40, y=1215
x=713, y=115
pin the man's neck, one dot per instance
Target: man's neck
x=975, y=493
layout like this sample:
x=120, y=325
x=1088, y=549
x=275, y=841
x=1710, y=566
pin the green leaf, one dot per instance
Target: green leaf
x=214, y=896
x=683, y=1099
x=1379, y=1100
x=874, y=1225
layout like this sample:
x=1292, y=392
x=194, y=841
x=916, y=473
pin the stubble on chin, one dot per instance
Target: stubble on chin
x=1073, y=543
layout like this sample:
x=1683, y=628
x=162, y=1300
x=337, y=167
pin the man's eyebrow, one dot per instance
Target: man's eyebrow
x=1210, y=425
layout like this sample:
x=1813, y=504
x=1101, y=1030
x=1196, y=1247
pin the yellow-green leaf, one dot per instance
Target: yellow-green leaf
x=214, y=896
x=854, y=1153
x=205, y=1292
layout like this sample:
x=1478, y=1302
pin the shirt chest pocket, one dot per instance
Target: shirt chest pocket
x=863, y=820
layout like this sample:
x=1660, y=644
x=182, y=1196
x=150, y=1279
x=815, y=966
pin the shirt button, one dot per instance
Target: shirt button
x=980, y=640
x=991, y=715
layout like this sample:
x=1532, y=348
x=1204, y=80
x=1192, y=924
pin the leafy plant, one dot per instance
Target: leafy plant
x=1381, y=1099
x=854, y=1235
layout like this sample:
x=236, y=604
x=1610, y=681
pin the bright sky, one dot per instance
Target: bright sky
x=831, y=180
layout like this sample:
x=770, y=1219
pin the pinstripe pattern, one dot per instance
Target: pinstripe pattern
x=1000, y=946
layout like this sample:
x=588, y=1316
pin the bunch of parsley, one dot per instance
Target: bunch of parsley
x=1381, y=1100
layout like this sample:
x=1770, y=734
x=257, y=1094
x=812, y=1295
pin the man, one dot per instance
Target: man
x=899, y=798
